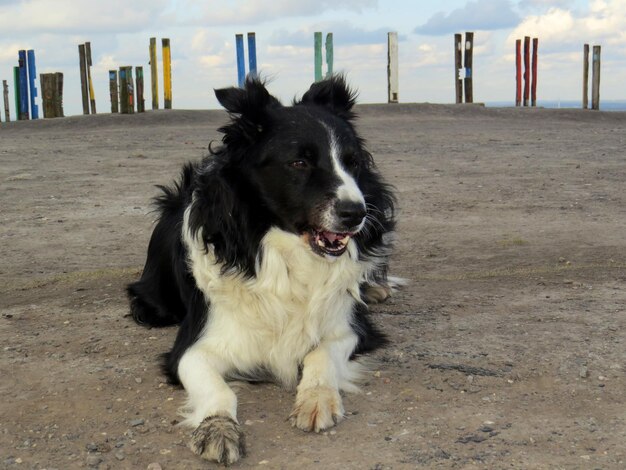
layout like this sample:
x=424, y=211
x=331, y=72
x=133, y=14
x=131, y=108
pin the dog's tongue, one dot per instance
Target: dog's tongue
x=333, y=237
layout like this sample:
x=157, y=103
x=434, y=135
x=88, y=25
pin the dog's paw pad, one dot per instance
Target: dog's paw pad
x=218, y=438
x=317, y=409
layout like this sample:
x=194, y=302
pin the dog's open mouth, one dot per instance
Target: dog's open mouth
x=328, y=243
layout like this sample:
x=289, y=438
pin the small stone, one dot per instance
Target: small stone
x=93, y=460
x=136, y=422
x=486, y=429
x=154, y=466
x=120, y=455
x=584, y=372
x=138, y=380
x=263, y=462
x=91, y=447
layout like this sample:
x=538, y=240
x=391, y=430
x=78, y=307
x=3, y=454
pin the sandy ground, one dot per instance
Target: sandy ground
x=508, y=345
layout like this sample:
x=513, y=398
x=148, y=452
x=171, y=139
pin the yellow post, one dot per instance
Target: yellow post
x=154, y=76
x=167, y=74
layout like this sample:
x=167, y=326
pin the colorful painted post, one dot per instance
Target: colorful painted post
x=32, y=76
x=533, y=86
x=127, y=102
x=154, y=74
x=392, y=67
x=23, y=85
x=595, y=78
x=167, y=74
x=458, y=65
x=252, y=54
x=141, y=107
x=5, y=93
x=241, y=65
x=16, y=91
x=83, y=77
x=526, y=69
x=317, y=44
x=586, y=76
x=518, y=72
x=92, y=95
x=113, y=91
x=468, y=63
x=330, y=54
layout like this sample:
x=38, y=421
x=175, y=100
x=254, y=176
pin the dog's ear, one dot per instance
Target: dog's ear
x=250, y=102
x=332, y=93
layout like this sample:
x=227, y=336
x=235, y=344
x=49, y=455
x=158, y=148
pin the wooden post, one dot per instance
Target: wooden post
x=58, y=111
x=533, y=86
x=458, y=65
x=127, y=102
x=317, y=45
x=141, y=107
x=518, y=72
x=32, y=77
x=52, y=94
x=330, y=54
x=526, y=69
x=5, y=93
x=24, y=115
x=113, y=91
x=595, y=78
x=167, y=74
x=241, y=65
x=586, y=76
x=252, y=54
x=16, y=91
x=92, y=95
x=468, y=62
x=154, y=75
x=83, y=78
x=392, y=67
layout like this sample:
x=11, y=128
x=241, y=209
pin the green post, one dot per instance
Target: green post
x=318, y=55
x=329, y=54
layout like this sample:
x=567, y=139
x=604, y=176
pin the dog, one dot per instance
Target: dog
x=265, y=253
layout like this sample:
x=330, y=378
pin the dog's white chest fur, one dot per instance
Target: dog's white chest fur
x=272, y=321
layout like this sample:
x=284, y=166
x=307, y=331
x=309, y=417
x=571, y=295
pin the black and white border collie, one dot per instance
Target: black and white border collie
x=265, y=253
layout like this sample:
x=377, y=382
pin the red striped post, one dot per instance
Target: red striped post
x=526, y=69
x=518, y=72
x=533, y=87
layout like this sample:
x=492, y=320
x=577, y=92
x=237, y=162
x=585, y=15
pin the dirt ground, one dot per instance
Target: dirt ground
x=508, y=344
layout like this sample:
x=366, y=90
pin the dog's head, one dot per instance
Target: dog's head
x=303, y=162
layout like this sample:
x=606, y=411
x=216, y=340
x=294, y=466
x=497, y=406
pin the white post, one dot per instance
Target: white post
x=392, y=67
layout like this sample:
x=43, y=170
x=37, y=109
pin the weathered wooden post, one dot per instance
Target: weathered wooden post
x=518, y=72
x=154, y=74
x=16, y=91
x=526, y=69
x=330, y=54
x=58, y=96
x=469, y=53
x=5, y=93
x=127, y=104
x=533, y=86
x=32, y=76
x=113, y=91
x=52, y=94
x=83, y=77
x=252, y=54
x=458, y=65
x=92, y=95
x=586, y=76
x=317, y=45
x=241, y=65
x=167, y=74
x=595, y=78
x=392, y=67
x=141, y=107
x=23, y=109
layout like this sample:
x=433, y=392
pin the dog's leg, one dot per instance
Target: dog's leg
x=212, y=408
x=326, y=368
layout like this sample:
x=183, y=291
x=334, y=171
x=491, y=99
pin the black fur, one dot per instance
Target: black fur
x=249, y=185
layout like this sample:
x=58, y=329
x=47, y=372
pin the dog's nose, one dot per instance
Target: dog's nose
x=350, y=213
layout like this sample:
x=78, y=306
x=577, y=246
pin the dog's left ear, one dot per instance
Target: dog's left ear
x=333, y=93
x=250, y=102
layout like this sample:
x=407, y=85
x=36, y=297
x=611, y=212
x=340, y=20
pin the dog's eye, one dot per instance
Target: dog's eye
x=300, y=164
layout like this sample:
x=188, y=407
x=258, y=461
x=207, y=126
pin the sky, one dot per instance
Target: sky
x=202, y=35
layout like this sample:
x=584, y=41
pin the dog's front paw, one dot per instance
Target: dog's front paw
x=316, y=409
x=218, y=438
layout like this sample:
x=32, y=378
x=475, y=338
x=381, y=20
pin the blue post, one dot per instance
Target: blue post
x=252, y=53
x=23, y=111
x=32, y=76
x=241, y=65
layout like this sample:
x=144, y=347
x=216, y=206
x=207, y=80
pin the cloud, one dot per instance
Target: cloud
x=482, y=15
